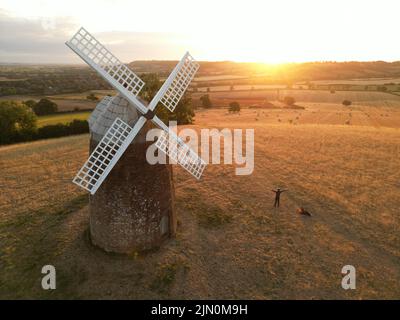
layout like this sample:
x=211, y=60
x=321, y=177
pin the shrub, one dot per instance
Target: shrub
x=45, y=106
x=61, y=130
x=289, y=101
x=234, y=106
x=30, y=103
x=206, y=101
x=346, y=103
x=78, y=127
x=53, y=131
x=92, y=97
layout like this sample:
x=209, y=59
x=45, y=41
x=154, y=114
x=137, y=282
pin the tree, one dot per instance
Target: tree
x=8, y=91
x=45, y=106
x=346, y=103
x=30, y=103
x=206, y=101
x=78, y=126
x=17, y=122
x=234, y=106
x=53, y=131
x=289, y=101
x=183, y=112
x=92, y=97
x=152, y=85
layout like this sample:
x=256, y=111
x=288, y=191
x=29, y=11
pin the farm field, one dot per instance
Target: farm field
x=242, y=87
x=62, y=118
x=66, y=102
x=218, y=77
x=367, y=81
x=230, y=243
x=247, y=98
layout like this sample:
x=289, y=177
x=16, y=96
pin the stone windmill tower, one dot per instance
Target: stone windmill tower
x=131, y=201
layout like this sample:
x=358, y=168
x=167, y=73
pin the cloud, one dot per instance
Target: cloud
x=37, y=40
x=269, y=31
x=42, y=40
x=128, y=46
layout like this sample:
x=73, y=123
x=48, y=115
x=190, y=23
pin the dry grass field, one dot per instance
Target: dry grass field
x=245, y=87
x=230, y=243
x=364, y=81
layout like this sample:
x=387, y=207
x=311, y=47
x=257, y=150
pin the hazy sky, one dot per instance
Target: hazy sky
x=34, y=31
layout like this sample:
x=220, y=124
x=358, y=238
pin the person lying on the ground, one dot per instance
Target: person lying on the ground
x=303, y=211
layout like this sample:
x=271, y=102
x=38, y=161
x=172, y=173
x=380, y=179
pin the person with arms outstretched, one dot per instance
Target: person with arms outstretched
x=278, y=192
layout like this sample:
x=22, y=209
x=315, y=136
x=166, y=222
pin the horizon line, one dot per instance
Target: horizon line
x=207, y=61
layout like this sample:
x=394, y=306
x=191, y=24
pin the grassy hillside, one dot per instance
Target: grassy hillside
x=231, y=243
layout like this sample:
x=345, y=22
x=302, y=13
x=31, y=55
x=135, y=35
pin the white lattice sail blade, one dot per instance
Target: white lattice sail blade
x=100, y=107
x=106, y=64
x=179, y=80
x=106, y=154
x=175, y=148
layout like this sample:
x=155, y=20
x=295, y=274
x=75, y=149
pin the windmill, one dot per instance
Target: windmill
x=119, y=136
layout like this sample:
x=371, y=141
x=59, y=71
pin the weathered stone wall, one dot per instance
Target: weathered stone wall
x=133, y=210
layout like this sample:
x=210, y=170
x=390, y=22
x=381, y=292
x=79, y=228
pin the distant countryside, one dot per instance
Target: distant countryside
x=76, y=90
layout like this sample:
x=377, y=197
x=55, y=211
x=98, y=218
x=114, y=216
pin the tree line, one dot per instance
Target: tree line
x=18, y=122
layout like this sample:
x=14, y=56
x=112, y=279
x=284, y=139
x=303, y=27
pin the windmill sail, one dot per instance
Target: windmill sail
x=118, y=137
x=170, y=144
x=107, y=65
x=106, y=154
x=175, y=86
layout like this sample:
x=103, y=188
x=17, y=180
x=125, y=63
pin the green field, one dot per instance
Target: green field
x=62, y=118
